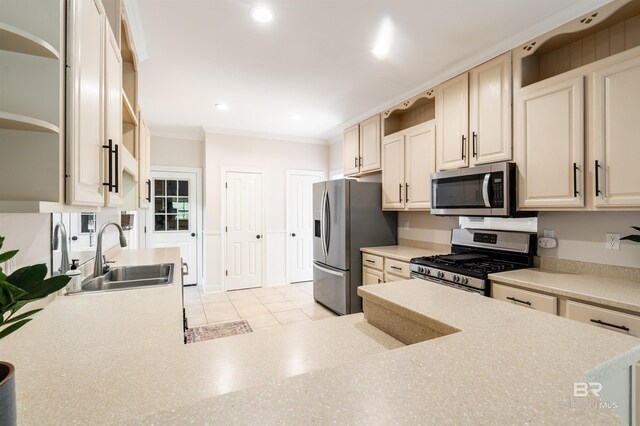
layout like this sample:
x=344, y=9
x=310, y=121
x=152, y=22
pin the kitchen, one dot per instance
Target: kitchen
x=551, y=96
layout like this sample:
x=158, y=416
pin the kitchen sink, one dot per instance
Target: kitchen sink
x=130, y=277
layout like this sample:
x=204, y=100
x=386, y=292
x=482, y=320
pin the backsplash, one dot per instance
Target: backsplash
x=423, y=226
x=28, y=232
x=581, y=236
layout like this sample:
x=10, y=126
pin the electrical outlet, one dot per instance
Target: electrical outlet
x=612, y=241
x=9, y=266
x=406, y=224
x=549, y=234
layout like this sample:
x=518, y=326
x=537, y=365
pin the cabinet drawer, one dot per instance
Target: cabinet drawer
x=372, y=261
x=389, y=278
x=528, y=299
x=605, y=318
x=371, y=276
x=396, y=267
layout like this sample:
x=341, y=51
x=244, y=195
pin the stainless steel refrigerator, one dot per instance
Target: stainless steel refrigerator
x=347, y=216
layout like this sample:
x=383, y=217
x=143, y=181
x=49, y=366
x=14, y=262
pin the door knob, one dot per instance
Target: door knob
x=74, y=238
x=258, y=236
x=293, y=235
x=193, y=234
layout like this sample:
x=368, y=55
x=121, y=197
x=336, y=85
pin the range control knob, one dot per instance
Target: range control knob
x=421, y=269
x=427, y=271
x=440, y=274
x=464, y=280
x=456, y=278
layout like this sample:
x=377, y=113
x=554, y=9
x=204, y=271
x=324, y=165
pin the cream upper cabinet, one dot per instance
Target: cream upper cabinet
x=85, y=103
x=550, y=144
x=370, y=145
x=408, y=159
x=393, y=172
x=351, y=155
x=420, y=162
x=452, y=115
x=113, y=121
x=490, y=111
x=144, y=164
x=616, y=130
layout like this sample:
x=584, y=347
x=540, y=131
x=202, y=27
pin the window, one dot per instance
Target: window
x=171, y=205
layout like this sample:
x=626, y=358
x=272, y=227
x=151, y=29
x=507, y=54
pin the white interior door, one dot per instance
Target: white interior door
x=300, y=225
x=244, y=235
x=171, y=220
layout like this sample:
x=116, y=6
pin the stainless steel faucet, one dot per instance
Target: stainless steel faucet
x=100, y=266
x=64, y=246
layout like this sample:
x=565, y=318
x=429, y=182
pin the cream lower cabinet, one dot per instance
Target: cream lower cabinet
x=525, y=298
x=408, y=159
x=371, y=276
x=550, y=147
x=85, y=103
x=616, y=130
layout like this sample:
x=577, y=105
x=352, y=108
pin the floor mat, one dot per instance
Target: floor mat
x=208, y=332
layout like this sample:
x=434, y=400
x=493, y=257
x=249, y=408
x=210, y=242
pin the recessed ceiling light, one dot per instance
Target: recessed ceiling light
x=381, y=51
x=295, y=117
x=222, y=107
x=262, y=13
x=384, y=39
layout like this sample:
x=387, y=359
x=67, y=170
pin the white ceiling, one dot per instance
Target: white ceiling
x=314, y=59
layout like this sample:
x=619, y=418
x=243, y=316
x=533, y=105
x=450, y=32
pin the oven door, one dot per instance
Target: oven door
x=476, y=191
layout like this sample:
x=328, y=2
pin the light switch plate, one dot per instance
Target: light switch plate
x=406, y=224
x=612, y=241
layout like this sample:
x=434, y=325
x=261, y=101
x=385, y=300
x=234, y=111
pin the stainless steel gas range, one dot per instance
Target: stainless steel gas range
x=476, y=253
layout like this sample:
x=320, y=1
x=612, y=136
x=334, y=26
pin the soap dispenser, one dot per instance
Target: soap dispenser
x=75, y=284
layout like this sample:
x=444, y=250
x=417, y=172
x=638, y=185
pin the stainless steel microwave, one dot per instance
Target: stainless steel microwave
x=488, y=190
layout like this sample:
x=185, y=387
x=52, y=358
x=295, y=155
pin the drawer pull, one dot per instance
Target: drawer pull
x=370, y=261
x=519, y=301
x=396, y=268
x=619, y=327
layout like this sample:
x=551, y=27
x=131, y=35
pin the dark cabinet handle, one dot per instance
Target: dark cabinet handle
x=400, y=192
x=406, y=192
x=117, y=179
x=293, y=234
x=355, y=161
x=598, y=192
x=474, y=142
x=379, y=280
x=109, y=149
x=575, y=180
x=396, y=268
x=149, y=190
x=258, y=236
x=360, y=161
x=519, y=301
x=619, y=327
x=370, y=261
x=464, y=142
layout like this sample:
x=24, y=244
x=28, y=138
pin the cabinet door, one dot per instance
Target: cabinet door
x=351, y=156
x=616, y=126
x=452, y=113
x=393, y=172
x=113, y=119
x=85, y=103
x=144, y=164
x=371, y=276
x=370, y=145
x=420, y=162
x=490, y=111
x=550, y=144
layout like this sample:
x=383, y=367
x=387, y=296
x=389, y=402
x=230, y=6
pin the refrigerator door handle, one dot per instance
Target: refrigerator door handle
x=328, y=271
x=327, y=232
x=323, y=221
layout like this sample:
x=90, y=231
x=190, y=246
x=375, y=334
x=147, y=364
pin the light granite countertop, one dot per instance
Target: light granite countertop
x=402, y=253
x=612, y=292
x=506, y=365
x=113, y=358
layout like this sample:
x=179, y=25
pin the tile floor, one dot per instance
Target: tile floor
x=263, y=308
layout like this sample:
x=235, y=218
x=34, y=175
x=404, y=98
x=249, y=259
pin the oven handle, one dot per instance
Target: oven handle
x=485, y=190
x=447, y=283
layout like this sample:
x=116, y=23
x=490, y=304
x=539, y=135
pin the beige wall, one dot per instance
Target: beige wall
x=423, y=226
x=30, y=233
x=273, y=158
x=335, y=155
x=581, y=236
x=175, y=152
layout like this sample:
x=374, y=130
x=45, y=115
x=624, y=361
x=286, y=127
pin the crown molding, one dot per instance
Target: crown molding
x=263, y=135
x=138, y=39
x=577, y=9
